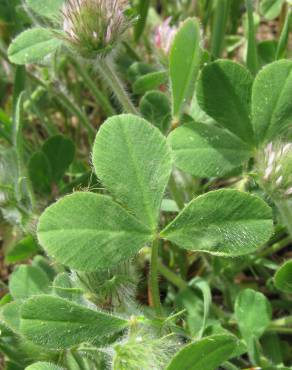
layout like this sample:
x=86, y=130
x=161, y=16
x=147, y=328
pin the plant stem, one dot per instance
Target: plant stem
x=109, y=75
x=284, y=36
x=252, y=56
x=221, y=13
x=275, y=247
x=171, y=276
x=101, y=100
x=153, y=279
x=285, y=210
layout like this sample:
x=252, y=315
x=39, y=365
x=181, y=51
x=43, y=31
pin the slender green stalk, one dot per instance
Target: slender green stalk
x=100, y=98
x=171, y=276
x=283, y=321
x=219, y=29
x=63, y=99
x=67, y=103
x=153, y=279
x=252, y=56
x=284, y=37
x=285, y=210
x=109, y=75
x=275, y=247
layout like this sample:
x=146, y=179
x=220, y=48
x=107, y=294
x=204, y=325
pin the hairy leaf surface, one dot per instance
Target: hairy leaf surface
x=86, y=231
x=222, y=222
x=58, y=323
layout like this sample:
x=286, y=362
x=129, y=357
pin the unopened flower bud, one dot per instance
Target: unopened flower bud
x=142, y=350
x=164, y=35
x=94, y=27
x=275, y=168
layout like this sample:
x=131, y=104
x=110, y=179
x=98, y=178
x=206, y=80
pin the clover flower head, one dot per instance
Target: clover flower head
x=275, y=165
x=94, y=27
x=164, y=35
x=143, y=350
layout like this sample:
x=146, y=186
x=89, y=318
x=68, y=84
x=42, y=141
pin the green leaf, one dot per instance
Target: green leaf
x=63, y=287
x=43, y=366
x=206, y=150
x=26, y=281
x=206, y=354
x=32, y=46
x=57, y=323
x=283, y=277
x=253, y=313
x=184, y=63
x=271, y=101
x=143, y=9
x=44, y=8
x=86, y=232
x=40, y=173
x=224, y=93
x=271, y=9
x=60, y=152
x=223, y=223
x=204, y=287
x=155, y=107
x=133, y=161
x=149, y=82
x=22, y=250
x=10, y=315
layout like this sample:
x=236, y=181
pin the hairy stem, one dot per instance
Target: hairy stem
x=100, y=98
x=109, y=75
x=153, y=279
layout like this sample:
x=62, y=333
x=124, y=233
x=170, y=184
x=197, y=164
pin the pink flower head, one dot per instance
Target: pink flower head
x=94, y=27
x=164, y=35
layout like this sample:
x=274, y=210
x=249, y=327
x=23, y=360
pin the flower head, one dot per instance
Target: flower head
x=94, y=27
x=142, y=350
x=275, y=167
x=164, y=35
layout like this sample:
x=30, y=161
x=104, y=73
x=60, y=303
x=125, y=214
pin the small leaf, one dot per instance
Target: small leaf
x=10, y=315
x=26, y=281
x=60, y=152
x=271, y=101
x=253, y=313
x=49, y=9
x=271, y=9
x=283, y=277
x=184, y=63
x=143, y=9
x=40, y=173
x=206, y=354
x=57, y=323
x=223, y=223
x=204, y=287
x=206, y=150
x=63, y=287
x=86, y=232
x=32, y=46
x=224, y=93
x=155, y=107
x=150, y=81
x=22, y=250
x=133, y=161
